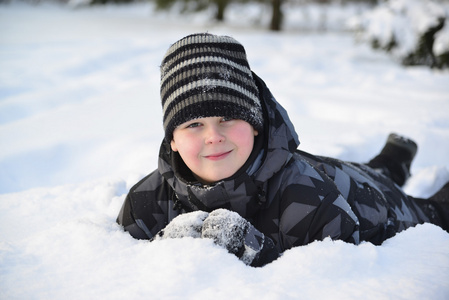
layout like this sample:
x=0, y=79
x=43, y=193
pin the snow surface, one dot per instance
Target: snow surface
x=80, y=123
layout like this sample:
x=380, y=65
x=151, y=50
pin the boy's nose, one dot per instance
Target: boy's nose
x=213, y=135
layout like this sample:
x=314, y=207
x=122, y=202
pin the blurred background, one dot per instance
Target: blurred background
x=416, y=30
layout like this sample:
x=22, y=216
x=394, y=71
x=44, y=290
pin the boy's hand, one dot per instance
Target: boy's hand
x=185, y=225
x=229, y=230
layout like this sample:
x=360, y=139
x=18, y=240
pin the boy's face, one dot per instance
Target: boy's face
x=214, y=148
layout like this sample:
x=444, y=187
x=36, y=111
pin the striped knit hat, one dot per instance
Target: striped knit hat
x=204, y=75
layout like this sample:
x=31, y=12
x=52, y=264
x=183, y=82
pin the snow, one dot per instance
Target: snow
x=80, y=123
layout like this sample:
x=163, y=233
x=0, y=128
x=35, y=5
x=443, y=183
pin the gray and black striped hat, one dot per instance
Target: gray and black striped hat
x=204, y=75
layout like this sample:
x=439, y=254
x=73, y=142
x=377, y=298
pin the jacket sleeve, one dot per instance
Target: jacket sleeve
x=125, y=218
x=147, y=208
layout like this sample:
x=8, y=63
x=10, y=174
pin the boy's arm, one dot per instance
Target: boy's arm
x=146, y=209
x=125, y=218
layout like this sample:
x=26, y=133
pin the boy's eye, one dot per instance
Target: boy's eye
x=193, y=125
x=226, y=119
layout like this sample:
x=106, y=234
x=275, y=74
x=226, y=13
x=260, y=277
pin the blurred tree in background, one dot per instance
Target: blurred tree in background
x=277, y=13
x=414, y=31
x=276, y=16
x=220, y=6
x=197, y=5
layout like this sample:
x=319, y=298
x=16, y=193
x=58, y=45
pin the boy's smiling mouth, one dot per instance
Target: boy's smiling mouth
x=218, y=156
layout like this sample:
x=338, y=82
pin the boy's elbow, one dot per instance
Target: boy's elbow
x=129, y=224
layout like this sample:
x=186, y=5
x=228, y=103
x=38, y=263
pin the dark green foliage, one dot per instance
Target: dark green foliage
x=443, y=60
x=391, y=44
x=164, y=4
x=423, y=55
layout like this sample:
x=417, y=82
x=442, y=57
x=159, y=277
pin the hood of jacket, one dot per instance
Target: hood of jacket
x=244, y=192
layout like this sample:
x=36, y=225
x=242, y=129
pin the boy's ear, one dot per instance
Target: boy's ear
x=256, y=133
x=173, y=146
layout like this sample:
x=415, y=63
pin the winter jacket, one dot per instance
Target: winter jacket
x=292, y=197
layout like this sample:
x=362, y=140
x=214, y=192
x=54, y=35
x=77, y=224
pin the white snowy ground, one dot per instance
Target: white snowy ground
x=80, y=123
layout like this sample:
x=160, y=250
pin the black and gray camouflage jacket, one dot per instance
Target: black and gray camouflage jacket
x=290, y=196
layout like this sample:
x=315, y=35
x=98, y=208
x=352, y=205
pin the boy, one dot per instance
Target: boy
x=229, y=168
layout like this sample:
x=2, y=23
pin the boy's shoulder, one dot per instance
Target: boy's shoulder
x=152, y=190
x=148, y=199
x=150, y=182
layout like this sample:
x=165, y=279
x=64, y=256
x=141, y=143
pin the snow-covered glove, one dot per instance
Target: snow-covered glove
x=185, y=225
x=229, y=230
